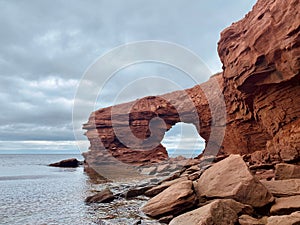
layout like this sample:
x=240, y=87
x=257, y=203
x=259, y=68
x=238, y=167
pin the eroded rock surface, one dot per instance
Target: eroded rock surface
x=283, y=188
x=172, y=201
x=287, y=205
x=287, y=171
x=219, y=212
x=292, y=219
x=249, y=220
x=231, y=178
x=260, y=83
x=103, y=196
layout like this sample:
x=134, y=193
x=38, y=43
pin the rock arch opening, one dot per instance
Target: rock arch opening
x=183, y=139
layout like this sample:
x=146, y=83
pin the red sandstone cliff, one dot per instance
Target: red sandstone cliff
x=261, y=87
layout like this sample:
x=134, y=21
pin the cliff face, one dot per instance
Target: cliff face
x=261, y=87
x=261, y=63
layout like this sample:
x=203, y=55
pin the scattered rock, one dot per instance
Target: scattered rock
x=154, y=180
x=285, y=171
x=149, y=170
x=165, y=174
x=134, y=192
x=137, y=222
x=218, y=212
x=172, y=177
x=159, y=188
x=174, y=200
x=67, y=163
x=174, y=167
x=283, y=188
x=193, y=169
x=166, y=219
x=231, y=178
x=286, y=205
x=292, y=219
x=162, y=168
x=94, y=176
x=265, y=174
x=264, y=166
x=104, y=196
x=249, y=220
x=195, y=176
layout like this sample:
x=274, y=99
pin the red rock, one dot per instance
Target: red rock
x=174, y=200
x=265, y=174
x=285, y=171
x=286, y=205
x=231, y=178
x=261, y=86
x=292, y=219
x=283, y=188
x=159, y=188
x=218, y=212
x=248, y=220
x=104, y=196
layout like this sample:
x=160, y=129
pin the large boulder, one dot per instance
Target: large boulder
x=231, y=178
x=172, y=201
x=218, y=212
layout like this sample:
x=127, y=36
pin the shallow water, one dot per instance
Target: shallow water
x=34, y=193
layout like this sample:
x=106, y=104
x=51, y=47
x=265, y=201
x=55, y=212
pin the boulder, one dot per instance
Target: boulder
x=67, y=163
x=283, y=188
x=231, y=178
x=104, y=196
x=286, y=205
x=159, y=188
x=218, y=212
x=285, y=171
x=174, y=200
x=292, y=219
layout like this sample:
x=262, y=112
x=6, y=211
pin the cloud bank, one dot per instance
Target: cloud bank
x=45, y=47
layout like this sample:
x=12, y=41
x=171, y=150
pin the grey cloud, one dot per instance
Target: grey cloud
x=44, y=40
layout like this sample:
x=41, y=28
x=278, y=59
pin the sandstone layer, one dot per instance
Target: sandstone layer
x=260, y=84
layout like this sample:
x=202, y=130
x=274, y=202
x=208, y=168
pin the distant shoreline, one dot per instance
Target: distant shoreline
x=12, y=152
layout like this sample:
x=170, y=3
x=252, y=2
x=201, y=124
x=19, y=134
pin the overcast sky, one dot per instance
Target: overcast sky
x=45, y=47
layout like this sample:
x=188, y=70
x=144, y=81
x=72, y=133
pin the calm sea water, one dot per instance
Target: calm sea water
x=33, y=193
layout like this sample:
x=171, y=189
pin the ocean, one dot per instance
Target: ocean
x=36, y=194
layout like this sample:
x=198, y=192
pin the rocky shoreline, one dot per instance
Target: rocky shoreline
x=199, y=191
